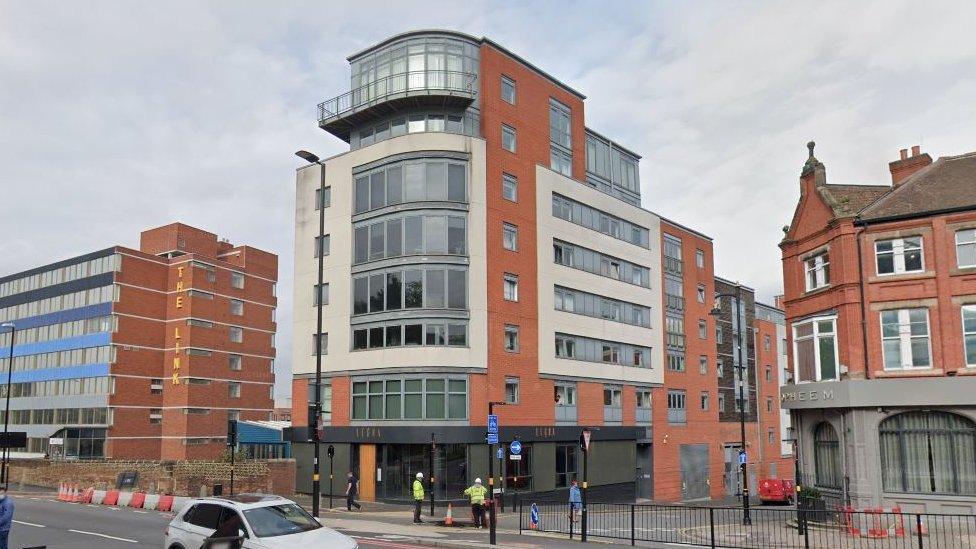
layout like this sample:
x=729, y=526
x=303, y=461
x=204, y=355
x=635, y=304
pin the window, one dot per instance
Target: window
x=204, y=515
x=826, y=456
x=676, y=361
x=584, y=259
x=701, y=293
x=612, y=412
x=236, y=307
x=704, y=400
x=237, y=280
x=510, y=237
x=236, y=334
x=560, y=138
x=429, y=179
x=233, y=389
x=718, y=334
x=321, y=296
x=905, y=339
x=928, y=452
x=322, y=242
x=817, y=271
x=966, y=248
x=815, y=349
x=769, y=373
x=721, y=402
x=769, y=404
x=508, y=138
x=511, y=390
x=969, y=333
x=899, y=255
x=508, y=90
x=156, y=386
x=720, y=367
x=409, y=398
x=677, y=412
x=155, y=415
x=771, y=436
x=234, y=362
x=511, y=338
x=323, y=199
x=644, y=408
x=510, y=287
x=587, y=216
x=565, y=464
x=700, y=259
x=703, y=364
x=509, y=187
x=595, y=350
x=702, y=329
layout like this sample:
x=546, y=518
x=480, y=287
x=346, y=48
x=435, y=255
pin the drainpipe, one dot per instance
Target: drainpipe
x=846, y=486
x=860, y=284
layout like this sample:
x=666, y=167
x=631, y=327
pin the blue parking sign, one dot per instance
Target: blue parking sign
x=515, y=447
x=493, y=424
x=492, y=438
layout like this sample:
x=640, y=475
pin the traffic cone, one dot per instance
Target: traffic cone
x=74, y=498
x=62, y=490
x=449, y=519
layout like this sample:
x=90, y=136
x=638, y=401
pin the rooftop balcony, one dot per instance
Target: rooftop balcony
x=391, y=94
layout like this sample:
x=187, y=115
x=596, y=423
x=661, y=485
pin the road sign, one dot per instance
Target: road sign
x=492, y=438
x=742, y=458
x=585, y=440
x=13, y=439
x=515, y=447
x=56, y=441
x=493, y=424
x=534, y=516
x=500, y=453
x=515, y=457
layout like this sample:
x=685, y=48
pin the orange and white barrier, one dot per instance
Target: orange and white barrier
x=874, y=522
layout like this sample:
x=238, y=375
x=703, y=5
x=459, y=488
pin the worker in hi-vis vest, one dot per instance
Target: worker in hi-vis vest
x=477, y=493
x=418, y=497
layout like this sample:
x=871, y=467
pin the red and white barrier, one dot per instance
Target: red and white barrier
x=874, y=522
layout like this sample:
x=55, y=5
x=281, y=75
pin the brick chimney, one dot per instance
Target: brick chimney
x=905, y=166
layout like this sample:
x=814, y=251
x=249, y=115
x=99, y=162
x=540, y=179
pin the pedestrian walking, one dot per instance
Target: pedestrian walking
x=477, y=494
x=575, y=501
x=418, y=498
x=6, y=516
x=352, y=489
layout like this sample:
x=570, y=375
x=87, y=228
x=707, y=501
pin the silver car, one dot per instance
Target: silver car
x=249, y=521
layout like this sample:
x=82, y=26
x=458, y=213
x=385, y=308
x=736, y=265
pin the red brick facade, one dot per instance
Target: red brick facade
x=158, y=295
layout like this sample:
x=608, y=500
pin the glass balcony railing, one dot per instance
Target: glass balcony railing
x=413, y=83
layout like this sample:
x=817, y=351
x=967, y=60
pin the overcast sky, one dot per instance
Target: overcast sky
x=120, y=116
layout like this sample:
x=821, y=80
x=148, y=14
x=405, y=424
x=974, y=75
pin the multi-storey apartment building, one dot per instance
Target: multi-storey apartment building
x=482, y=245
x=143, y=353
x=880, y=311
x=775, y=451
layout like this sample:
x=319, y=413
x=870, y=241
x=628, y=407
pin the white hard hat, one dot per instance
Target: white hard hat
x=477, y=481
x=420, y=475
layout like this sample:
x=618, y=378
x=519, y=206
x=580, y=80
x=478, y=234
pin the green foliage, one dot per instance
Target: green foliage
x=808, y=492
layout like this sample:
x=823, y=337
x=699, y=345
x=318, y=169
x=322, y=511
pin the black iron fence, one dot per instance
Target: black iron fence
x=770, y=527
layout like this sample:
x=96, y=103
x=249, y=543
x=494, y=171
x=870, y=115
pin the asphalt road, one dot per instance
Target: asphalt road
x=40, y=522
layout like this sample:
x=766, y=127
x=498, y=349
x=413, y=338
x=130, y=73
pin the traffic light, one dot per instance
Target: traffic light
x=232, y=433
x=314, y=422
x=331, y=451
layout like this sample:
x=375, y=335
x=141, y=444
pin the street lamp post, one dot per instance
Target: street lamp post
x=742, y=369
x=320, y=247
x=492, y=538
x=4, y=473
x=795, y=442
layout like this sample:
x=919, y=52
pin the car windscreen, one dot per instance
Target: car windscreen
x=279, y=520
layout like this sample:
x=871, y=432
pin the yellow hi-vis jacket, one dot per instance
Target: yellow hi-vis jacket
x=477, y=494
x=418, y=490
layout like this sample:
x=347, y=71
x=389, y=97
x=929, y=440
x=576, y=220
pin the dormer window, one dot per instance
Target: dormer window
x=817, y=270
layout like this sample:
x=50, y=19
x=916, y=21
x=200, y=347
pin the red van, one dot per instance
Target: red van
x=776, y=490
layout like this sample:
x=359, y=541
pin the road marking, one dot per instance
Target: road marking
x=103, y=536
x=384, y=543
x=142, y=512
x=30, y=524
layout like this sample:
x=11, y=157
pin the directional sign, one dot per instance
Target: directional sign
x=500, y=453
x=534, y=516
x=742, y=458
x=493, y=424
x=492, y=438
x=515, y=447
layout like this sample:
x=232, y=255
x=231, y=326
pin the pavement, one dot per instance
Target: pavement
x=42, y=521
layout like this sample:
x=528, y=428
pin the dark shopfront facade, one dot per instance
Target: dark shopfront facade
x=387, y=458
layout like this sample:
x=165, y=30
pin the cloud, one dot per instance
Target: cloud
x=116, y=117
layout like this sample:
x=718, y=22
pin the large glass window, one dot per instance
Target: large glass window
x=595, y=262
x=430, y=332
x=560, y=138
x=677, y=406
x=905, y=339
x=966, y=248
x=928, y=452
x=815, y=349
x=899, y=255
x=508, y=90
x=508, y=138
x=430, y=398
x=817, y=270
x=826, y=456
x=592, y=218
x=509, y=187
x=417, y=180
x=596, y=350
x=410, y=235
x=428, y=288
x=596, y=306
x=565, y=465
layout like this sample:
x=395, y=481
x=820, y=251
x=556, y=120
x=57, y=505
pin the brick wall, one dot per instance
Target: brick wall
x=184, y=478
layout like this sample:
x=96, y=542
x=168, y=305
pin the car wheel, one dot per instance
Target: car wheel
x=176, y=546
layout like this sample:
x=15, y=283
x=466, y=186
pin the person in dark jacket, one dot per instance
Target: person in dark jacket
x=352, y=489
x=6, y=516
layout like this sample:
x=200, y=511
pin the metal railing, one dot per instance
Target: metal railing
x=787, y=528
x=452, y=82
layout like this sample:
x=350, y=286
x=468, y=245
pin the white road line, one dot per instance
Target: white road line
x=103, y=536
x=30, y=524
x=142, y=512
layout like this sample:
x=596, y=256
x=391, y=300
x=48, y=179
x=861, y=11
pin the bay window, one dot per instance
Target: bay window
x=905, y=339
x=815, y=349
x=817, y=270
